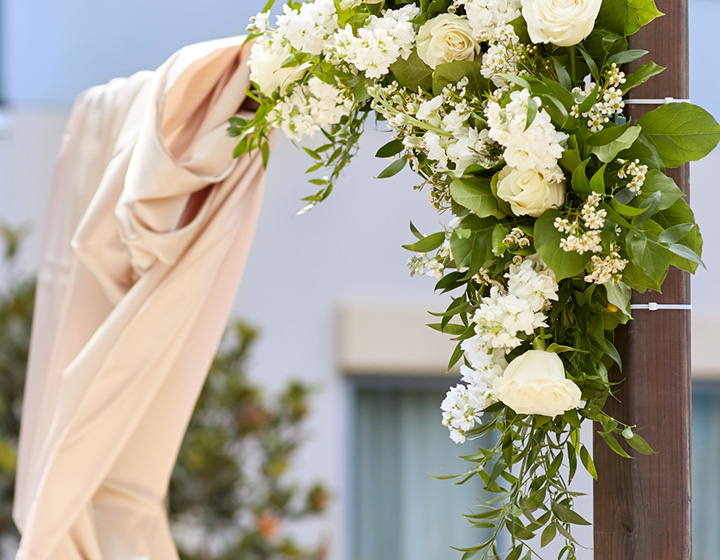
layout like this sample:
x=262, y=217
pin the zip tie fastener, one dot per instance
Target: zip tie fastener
x=652, y=306
x=655, y=101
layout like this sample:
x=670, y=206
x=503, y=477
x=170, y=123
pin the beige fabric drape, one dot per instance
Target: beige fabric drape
x=148, y=230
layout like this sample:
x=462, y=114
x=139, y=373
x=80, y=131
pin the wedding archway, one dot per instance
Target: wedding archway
x=467, y=194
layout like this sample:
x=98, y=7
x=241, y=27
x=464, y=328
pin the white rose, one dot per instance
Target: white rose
x=535, y=383
x=446, y=38
x=561, y=22
x=529, y=193
x=265, y=64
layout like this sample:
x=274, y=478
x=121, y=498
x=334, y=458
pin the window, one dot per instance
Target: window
x=400, y=511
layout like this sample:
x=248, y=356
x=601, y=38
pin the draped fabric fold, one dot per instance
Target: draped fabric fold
x=149, y=226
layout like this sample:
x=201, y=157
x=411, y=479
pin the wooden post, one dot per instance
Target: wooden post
x=642, y=505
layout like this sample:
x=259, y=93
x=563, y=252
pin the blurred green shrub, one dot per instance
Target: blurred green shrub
x=230, y=486
x=17, y=294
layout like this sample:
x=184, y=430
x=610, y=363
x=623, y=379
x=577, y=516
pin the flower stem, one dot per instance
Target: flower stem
x=572, y=64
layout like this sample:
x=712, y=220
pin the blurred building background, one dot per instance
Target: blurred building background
x=329, y=289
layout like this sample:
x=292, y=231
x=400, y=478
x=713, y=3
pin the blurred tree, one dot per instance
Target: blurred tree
x=17, y=294
x=229, y=486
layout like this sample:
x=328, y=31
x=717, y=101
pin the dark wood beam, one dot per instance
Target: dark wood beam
x=642, y=505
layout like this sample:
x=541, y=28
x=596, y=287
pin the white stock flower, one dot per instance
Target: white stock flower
x=429, y=110
x=501, y=317
x=537, y=146
x=486, y=362
x=463, y=407
x=378, y=44
x=535, y=383
x=485, y=16
x=561, y=22
x=308, y=28
x=266, y=59
x=432, y=144
x=532, y=280
x=529, y=192
x=446, y=38
x=309, y=107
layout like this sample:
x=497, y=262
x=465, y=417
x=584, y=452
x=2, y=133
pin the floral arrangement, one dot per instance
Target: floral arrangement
x=511, y=113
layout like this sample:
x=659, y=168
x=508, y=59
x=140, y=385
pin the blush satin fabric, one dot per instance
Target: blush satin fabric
x=149, y=226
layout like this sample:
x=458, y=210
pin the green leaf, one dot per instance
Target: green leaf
x=639, y=444
x=415, y=231
x=579, y=179
x=570, y=159
x=560, y=348
x=681, y=132
x=413, y=73
x=614, y=445
x=657, y=182
x=515, y=553
x=619, y=295
x=686, y=253
x=390, y=149
x=597, y=182
x=636, y=278
x=607, y=135
x=564, y=264
x=626, y=56
x=639, y=13
x=589, y=101
x=568, y=516
x=474, y=193
x=641, y=75
x=548, y=535
x=429, y=243
x=393, y=169
x=608, y=152
x=625, y=210
x=453, y=72
x=588, y=462
x=613, y=16
x=645, y=252
x=645, y=151
x=675, y=233
x=592, y=66
x=450, y=328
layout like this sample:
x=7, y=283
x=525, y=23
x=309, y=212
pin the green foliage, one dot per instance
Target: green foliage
x=639, y=13
x=16, y=308
x=564, y=264
x=681, y=132
x=475, y=193
x=231, y=481
x=617, y=224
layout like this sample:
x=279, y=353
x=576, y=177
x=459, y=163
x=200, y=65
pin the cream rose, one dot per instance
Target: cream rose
x=535, y=383
x=529, y=192
x=561, y=22
x=446, y=38
x=265, y=67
